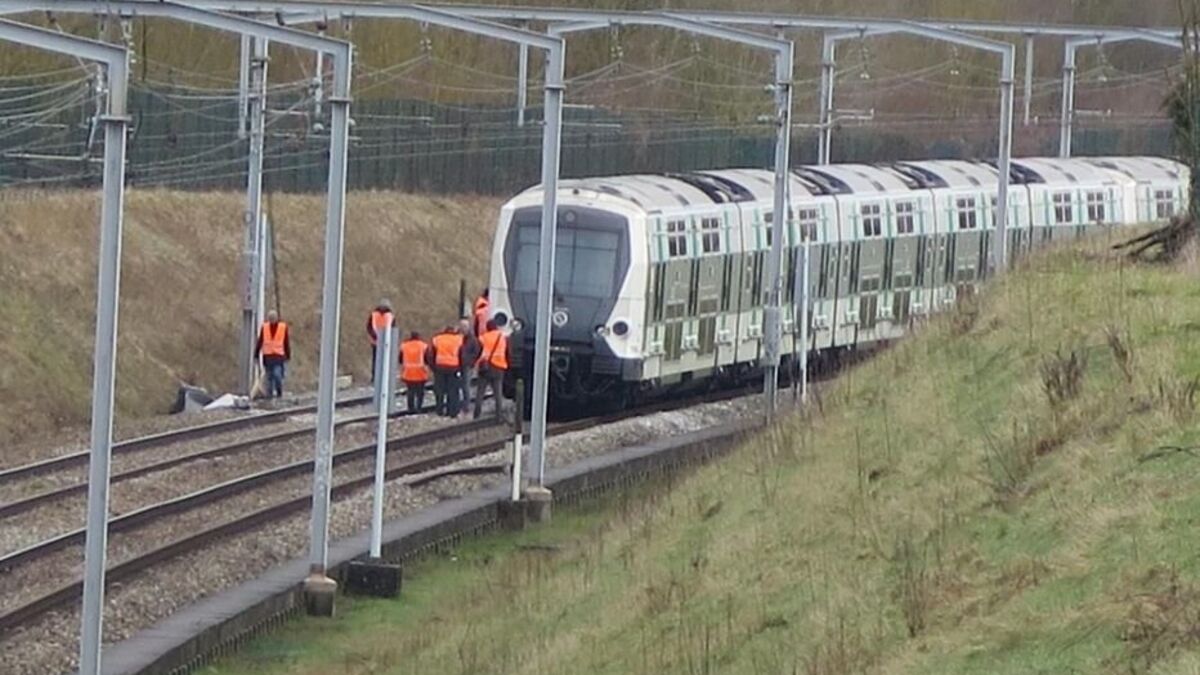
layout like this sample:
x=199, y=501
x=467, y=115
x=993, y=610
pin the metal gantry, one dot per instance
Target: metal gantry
x=555, y=48
x=783, y=51
x=1007, y=53
x=1071, y=47
x=116, y=64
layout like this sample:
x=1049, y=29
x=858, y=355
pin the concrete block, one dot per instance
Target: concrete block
x=344, y=381
x=372, y=577
x=511, y=515
x=320, y=595
x=537, y=504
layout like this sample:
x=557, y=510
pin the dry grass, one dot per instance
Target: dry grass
x=180, y=318
x=858, y=539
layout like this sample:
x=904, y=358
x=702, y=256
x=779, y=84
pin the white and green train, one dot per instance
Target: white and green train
x=659, y=279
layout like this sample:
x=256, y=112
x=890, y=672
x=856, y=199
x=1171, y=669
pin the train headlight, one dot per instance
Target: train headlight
x=517, y=324
x=501, y=319
x=601, y=330
x=620, y=329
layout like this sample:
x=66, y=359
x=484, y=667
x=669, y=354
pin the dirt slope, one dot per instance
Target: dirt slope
x=179, y=314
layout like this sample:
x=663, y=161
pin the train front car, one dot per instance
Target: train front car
x=599, y=281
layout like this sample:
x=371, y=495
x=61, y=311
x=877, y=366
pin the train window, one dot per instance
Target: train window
x=1164, y=204
x=872, y=220
x=710, y=235
x=1063, y=211
x=905, y=218
x=968, y=218
x=1095, y=207
x=808, y=223
x=677, y=238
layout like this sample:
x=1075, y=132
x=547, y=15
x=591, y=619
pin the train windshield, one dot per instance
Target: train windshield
x=585, y=261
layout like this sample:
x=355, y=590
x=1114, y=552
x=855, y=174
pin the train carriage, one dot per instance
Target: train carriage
x=660, y=280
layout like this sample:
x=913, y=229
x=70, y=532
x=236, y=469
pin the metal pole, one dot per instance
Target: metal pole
x=1068, y=102
x=252, y=260
x=331, y=310
x=803, y=300
x=1000, y=250
x=103, y=378
x=383, y=393
x=828, y=74
x=781, y=223
x=518, y=436
x=319, y=80
x=1028, y=98
x=522, y=83
x=243, y=84
x=551, y=139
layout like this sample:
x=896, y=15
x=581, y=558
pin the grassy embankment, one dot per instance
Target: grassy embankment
x=180, y=317
x=991, y=496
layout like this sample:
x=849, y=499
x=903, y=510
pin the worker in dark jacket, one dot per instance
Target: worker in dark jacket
x=381, y=319
x=492, y=364
x=275, y=348
x=470, y=354
x=446, y=359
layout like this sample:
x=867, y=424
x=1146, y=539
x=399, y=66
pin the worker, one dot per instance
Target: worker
x=470, y=350
x=446, y=358
x=491, y=364
x=414, y=372
x=275, y=348
x=481, y=313
x=380, y=319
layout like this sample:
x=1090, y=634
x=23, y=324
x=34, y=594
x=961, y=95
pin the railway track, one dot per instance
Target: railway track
x=63, y=596
x=20, y=506
x=165, y=438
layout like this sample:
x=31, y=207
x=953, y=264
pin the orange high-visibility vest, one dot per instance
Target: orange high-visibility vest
x=272, y=345
x=379, y=321
x=493, y=350
x=445, y=349
x=412, y=361
x=482, y=308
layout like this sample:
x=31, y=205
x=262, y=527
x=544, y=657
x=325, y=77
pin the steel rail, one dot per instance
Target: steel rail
x=21, y=506
x=213, y=493
x=65, y=595
x=165, y=438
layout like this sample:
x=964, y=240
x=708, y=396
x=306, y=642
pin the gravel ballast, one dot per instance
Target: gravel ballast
x=50, y=644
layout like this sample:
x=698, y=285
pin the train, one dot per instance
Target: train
x=659, y=279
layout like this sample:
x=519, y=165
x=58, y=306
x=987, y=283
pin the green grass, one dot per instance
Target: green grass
x=932, y=513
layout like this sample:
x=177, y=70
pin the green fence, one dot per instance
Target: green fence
x=188, y=141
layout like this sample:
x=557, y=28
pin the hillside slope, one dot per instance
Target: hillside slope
x=180, y=317
x=1014, y=490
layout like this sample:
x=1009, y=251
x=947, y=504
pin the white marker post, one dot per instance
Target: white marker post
x=383, y=387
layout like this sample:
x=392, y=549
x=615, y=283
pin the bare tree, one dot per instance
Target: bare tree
x=1183, y=103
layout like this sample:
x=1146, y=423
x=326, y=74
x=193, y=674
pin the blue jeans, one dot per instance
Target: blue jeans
x=276, y=372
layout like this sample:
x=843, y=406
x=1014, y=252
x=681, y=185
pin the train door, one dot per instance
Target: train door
x=906, y=242
x=709, y=272
x=871, y=256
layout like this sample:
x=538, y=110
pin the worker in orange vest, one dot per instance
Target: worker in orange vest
x=446, y=359
x=414, y=352
x=483, y=308
x=492, y=364
x=275, y=347
x=381, y=317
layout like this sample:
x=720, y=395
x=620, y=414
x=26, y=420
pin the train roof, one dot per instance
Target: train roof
x=1141, y=169
x=1060, y=171
x=656, y=192
x=950, y=173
